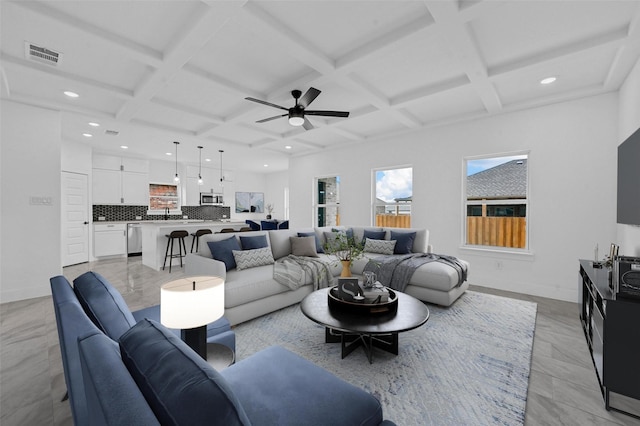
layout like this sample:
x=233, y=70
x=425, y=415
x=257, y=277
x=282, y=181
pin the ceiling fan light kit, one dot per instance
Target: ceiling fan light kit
x=297, y=113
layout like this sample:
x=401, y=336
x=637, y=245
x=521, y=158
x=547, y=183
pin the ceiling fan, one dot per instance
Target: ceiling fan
x=297, y=113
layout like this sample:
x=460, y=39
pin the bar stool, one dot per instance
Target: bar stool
x=196, y=237
x=175, y=235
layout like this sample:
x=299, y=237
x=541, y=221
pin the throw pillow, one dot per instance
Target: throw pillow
x=309, y=234
x=348, y=231
x=254, y=242
x=404, y=241
x=223, y=251
x=379, y=246
x=374, y=235
x=246, y=259
x=303, y=246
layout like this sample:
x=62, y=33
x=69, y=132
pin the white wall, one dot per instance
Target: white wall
x=276, y=184
x=572, y=182
x=629, y=236
x=30, y=234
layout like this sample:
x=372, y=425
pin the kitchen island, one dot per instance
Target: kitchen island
x=154, y=236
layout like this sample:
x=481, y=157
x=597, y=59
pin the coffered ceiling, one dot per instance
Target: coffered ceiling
x=160, y=71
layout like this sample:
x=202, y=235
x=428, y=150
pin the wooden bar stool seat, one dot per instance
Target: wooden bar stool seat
x=175, y=235
x=196, y=237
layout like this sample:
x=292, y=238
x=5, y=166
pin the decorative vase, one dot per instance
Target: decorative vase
x=346, y=268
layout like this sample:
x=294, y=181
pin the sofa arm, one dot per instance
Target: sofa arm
x=197, y=265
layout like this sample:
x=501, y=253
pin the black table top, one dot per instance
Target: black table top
x=412, y=313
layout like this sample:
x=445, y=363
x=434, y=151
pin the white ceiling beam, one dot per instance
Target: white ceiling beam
x=626, y=56
x=58, y=106
x=221, y=83
x=480, y=9
x=463, y=46
x=133, y=50
x=195, y=35
x=600, y=41
x=187, y=110
x=291, y=41
x=416, y=95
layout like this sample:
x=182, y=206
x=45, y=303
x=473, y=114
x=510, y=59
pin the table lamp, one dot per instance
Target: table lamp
x=190, y=304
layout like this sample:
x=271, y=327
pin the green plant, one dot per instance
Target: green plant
x=343, y=247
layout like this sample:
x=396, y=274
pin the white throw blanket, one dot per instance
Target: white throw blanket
x=290, y=271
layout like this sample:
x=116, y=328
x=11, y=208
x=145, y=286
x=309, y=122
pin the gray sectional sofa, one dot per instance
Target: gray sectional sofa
x=252, y=292
x=145, y=375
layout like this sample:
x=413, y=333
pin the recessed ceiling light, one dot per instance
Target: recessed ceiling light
x=87, y=135
x=266, y=165
x=207, y=159
x=124, y=147
x=287, y=147
x=168, y=153
x=94, y=124
x=548, y=80
x=71, y=94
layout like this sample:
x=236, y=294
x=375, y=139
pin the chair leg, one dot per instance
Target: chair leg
x=185, y=250
x=171, y=257
x=193, y=242
x=166, y=252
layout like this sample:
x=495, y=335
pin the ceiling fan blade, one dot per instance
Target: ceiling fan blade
x=307, y=124
x=267, y=103
x=308, y=97
x=328, y=113
x=264, y=120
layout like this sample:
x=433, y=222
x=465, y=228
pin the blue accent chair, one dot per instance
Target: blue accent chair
x=254, y=226
x=268, y=225
x=283, y=225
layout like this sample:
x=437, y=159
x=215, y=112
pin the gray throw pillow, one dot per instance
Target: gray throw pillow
x=246, y=259
x=303, y=246
x=379, y=246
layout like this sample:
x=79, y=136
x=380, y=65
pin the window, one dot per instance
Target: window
x=496, y=201
x=163, y=196
x=393, y=196
x=327, y=201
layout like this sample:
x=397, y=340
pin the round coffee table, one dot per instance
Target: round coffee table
x=353, y=330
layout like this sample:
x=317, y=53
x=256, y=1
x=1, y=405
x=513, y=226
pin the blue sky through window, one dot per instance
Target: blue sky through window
x=394, y=183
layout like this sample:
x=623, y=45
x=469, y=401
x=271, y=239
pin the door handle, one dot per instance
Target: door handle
x=85, y=222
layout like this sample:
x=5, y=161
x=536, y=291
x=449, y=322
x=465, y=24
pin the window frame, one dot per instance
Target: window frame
x=526, y=250
x=375, y=205
x=178, y=198
x=316, y=202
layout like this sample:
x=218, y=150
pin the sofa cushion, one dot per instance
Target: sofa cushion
x=255, y=242
x=374, y=235
x=254, y=284
x=223, y=251
x=304, y=246
x=404, y=241
x=379, y=246
x=246, y=259
x=286, y=389
x=319, y=248
x=180, y=387
x=103, y=304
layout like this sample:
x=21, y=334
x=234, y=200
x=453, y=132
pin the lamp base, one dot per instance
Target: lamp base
x=196, y=338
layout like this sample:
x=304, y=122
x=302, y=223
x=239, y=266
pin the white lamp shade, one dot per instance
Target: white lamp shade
x=296, y=120
x=183, y=307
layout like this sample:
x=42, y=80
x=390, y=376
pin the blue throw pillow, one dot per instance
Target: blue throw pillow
x=254, y=242
x=223, y=251
x=312, y=234
x=404, y=242
x=180, y=387
x=373, y=235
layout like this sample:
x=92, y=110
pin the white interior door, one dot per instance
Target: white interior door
x=75, y=219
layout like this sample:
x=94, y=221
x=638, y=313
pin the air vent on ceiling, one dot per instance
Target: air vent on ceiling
x=42, y=54
x=111, y=132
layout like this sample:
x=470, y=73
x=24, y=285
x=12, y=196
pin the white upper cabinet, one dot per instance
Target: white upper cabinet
x=120, y=180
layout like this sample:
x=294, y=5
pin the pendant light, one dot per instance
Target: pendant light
x=176, y=178
x=200, y=181
x=221, y=171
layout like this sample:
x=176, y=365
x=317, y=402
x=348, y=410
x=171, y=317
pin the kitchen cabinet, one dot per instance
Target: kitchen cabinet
x=120, y=180
x=109, y=239
x=211, y=178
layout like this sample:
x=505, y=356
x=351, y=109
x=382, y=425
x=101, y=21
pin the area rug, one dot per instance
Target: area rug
x=468, y=365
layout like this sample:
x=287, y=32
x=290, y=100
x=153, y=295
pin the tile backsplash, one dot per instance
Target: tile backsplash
x=112, y=213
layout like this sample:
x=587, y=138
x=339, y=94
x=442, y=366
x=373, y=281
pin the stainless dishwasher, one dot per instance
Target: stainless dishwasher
x=134, y=239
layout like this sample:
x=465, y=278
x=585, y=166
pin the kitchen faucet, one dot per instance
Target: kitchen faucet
x=166, y=213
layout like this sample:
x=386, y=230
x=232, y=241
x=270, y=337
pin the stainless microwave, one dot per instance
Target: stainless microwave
x=209, y=199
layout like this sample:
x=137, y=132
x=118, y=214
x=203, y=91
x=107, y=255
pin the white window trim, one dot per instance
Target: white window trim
x=516, y=252
x=160, y=212
x=316, y=204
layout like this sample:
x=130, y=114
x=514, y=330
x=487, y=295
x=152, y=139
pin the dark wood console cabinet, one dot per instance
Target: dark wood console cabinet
x=612, y=328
